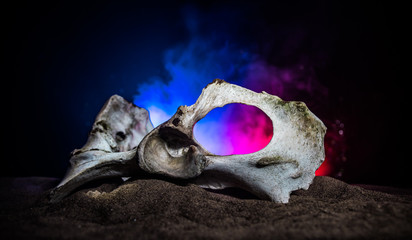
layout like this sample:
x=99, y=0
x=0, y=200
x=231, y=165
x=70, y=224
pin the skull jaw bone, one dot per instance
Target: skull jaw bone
x=110, y=149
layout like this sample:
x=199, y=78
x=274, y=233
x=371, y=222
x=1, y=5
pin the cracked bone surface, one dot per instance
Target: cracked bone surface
x=110, y=148
x=287, y=163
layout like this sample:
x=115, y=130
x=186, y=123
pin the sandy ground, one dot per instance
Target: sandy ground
x=159, y=209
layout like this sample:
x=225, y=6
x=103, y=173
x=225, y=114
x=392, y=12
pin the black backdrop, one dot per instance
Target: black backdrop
x=61, y=57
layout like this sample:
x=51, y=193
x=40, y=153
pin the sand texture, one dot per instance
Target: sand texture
x=160, y=209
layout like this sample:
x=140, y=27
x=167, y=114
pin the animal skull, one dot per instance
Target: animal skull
x=286, y=164
x=109, y=151
x=122, y=133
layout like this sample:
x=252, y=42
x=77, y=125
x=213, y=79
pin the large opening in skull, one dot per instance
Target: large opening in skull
x=234, y=129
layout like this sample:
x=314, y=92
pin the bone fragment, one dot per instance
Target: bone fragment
x=111, y=146
x=286, y=164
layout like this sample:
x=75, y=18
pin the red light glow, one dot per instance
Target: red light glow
x=325, y=169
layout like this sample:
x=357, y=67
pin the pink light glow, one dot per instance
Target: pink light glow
x=251, y=132
x=241, y=129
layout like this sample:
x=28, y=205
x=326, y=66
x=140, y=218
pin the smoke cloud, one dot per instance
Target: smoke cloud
x=191, y=65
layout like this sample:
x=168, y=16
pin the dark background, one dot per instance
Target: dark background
x=64, y=59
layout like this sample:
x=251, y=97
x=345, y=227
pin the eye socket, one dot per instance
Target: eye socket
x=234, y=129
x=174, y=138
x=120, y=136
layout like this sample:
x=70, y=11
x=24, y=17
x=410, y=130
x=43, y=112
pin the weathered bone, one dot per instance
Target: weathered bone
x=286, y=164
x=111, y=146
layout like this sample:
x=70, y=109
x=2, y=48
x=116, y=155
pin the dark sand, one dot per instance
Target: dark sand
x=158, y=209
